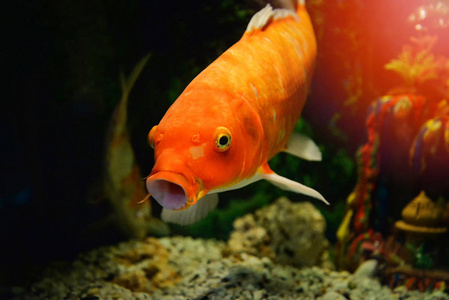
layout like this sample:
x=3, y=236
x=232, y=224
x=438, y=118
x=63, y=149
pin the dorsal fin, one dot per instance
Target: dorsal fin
x=266, y=14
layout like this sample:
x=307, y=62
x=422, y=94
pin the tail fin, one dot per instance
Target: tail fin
x=128, y=83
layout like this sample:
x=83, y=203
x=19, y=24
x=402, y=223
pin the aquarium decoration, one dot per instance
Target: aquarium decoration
x=407, y=135
x=418, y=244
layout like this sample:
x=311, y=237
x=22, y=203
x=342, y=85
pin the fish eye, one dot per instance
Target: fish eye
x=222, y=139
x=151, y=136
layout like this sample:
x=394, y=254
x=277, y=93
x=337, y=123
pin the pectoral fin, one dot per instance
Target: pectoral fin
x=303, y=147
x=192, y=214
x=289, y=185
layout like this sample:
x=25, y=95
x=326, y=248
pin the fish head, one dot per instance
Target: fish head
x=197, y=148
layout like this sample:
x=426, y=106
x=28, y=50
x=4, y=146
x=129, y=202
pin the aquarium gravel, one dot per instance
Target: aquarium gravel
x=186, y=268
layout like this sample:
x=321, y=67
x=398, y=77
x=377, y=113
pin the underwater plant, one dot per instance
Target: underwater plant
x=416, y=65
x=423, y=260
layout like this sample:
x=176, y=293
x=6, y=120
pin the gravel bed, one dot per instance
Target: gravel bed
x=185, y=268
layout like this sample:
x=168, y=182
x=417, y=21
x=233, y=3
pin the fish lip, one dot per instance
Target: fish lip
x=169, y=189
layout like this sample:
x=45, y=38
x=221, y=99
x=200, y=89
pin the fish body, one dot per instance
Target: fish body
x=122, y=182
x=235, y=116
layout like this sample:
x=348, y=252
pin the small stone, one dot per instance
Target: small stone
x=266, y=261
x=366, y=269
x=90, y=298
x=247, y=295
x=259, y=294
x=339, y=286
x=93, y=291
x=344, y=274
x=352, y=285
x=333, y=296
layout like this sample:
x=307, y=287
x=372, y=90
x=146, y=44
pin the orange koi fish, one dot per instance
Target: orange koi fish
x=235, y=116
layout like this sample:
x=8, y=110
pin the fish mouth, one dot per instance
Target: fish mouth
x=168, y=189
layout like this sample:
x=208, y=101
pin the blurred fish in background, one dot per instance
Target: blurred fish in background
x=123, y=184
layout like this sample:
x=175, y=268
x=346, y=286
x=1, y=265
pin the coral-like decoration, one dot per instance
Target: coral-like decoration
x=432, y=138
x=416, y=65
x=415, y=117
x=385, y=110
